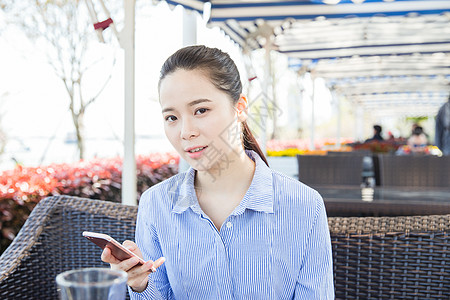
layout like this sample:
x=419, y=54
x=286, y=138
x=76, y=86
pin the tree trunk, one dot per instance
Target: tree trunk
x=78, y=122
x=79, y=131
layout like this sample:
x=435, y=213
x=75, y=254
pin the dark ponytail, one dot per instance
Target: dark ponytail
x=250, y=142
x=223, y=74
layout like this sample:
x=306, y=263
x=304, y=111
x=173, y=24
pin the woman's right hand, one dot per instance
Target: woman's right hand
x=137, y=274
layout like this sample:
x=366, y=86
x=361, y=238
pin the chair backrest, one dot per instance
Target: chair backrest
x=330, y=169
x=391, y=257
x=415, y=171
x=350, y=153
x=51, y=242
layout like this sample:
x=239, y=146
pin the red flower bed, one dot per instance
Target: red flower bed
x=378, y=146
x=22, y=188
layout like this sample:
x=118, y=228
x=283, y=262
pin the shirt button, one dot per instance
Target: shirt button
x=229, y=225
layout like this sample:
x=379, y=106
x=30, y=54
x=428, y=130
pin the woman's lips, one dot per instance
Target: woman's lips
x=197, y=154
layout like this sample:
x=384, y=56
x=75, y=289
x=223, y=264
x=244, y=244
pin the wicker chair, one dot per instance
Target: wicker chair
x=51, y=242
x=415, y=171
x=330, y=169
x=391, y=257
x=374, y=258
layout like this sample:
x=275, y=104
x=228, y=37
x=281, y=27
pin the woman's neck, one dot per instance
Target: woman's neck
x=233, y=173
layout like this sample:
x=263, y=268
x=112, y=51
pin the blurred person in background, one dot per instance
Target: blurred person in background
x=418, y=140
x=376, y=134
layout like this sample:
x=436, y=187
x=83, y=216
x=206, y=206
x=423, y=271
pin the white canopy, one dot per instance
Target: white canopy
x=392, y=55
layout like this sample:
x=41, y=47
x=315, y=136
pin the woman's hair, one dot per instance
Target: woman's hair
x=417, y=130
x=377, y=128
x=223, y=74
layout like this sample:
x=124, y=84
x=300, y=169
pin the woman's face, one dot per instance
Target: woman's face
x=199, y=120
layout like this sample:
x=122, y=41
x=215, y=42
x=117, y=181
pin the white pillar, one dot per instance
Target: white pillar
x=189, y=28
x=264, y=107
x=359, y=123
x=300, y=107
x=189, y=38
x=129, y=182
x=313, y=125
x=337, y=102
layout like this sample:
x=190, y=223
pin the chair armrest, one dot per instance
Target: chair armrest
x=51, y=242
x=27, y=237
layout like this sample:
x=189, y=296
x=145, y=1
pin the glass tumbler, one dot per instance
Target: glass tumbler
x=92, y=284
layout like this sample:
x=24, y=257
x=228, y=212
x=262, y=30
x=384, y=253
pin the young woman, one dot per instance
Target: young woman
x=229, y=227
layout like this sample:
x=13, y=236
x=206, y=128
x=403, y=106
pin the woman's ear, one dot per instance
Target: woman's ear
x=242, y=108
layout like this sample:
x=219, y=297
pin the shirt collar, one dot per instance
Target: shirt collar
x=259, y=196
x=186, y=197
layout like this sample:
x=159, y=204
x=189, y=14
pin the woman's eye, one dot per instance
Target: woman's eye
x=201, y=111
x=170, y=118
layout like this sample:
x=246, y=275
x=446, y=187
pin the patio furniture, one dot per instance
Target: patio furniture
x=51, y=242
x=391, y=257
x=374, y=258
x=415, y=170
x=371, y=167
x=330, y=169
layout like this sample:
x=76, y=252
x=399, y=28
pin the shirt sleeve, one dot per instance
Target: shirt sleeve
x=158, y=286
x=315, y=280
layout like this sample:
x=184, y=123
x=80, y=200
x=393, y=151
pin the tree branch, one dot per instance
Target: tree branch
x=104, y=84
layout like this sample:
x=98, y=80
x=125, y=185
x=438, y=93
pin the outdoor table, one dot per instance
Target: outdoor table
x=353, y=201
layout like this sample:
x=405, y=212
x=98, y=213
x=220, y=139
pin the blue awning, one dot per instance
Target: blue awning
x=246, y=20
x=249, y=10
x=376, y=40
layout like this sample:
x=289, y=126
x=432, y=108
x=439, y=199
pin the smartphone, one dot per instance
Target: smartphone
x=103, y=240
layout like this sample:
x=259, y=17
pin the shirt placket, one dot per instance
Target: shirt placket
x=223, y=273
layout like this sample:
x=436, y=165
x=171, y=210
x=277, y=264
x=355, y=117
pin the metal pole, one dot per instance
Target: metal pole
x=189, y=38
x=93, y=15
x=108, y=15
x=337, y=101
x=129, y=184
x=189, y=28
x=264, y=107
x=359, y=122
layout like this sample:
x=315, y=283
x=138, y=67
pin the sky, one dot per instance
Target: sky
x=34, y=113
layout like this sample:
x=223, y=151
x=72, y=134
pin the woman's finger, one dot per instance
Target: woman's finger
x=158, y=263
x=108, y=257
x=128, y=264
x=155, y=265
x=130, y=245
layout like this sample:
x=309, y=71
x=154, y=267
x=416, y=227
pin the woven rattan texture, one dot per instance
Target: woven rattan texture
x=374, y=258
x=415, y=171
x=391, y=257
x=51, y=242
x=330, y=169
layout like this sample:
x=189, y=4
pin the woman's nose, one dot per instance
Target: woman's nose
x=189, y=130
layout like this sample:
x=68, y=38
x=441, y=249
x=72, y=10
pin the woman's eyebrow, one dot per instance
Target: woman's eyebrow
x=192, y=103
x=195, y=102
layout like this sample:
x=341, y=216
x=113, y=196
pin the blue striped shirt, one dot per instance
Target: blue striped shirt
x=274, y=245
